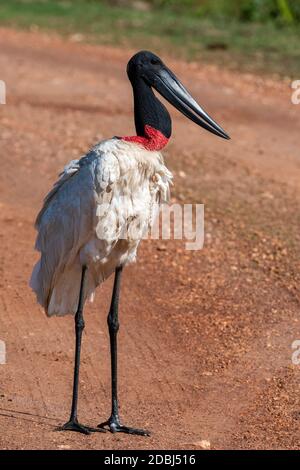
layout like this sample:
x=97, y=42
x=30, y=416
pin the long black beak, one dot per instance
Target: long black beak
x=168, y=85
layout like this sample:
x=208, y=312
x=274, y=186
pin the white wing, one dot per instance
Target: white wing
x=68, y=218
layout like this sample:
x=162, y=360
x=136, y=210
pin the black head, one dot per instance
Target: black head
x=142, y=65
x=150, y=68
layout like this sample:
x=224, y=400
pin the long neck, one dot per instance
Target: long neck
x=152, y=120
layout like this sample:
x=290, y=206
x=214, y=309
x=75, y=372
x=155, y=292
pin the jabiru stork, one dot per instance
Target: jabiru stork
x=81, y=244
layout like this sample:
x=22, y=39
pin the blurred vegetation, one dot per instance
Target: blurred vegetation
x=252, y=35
x=279, y=11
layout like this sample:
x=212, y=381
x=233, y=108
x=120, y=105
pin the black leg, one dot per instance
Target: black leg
x=113, y=423
x=73, y=424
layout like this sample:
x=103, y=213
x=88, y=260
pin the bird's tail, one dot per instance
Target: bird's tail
x=60, y=296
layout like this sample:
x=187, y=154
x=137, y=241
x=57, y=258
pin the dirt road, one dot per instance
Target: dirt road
x=205, y=338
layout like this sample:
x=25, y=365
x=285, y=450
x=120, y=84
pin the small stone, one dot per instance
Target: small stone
x=161, y=247
x=203, y=444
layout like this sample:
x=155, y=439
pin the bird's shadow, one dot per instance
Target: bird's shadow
x=26, y=416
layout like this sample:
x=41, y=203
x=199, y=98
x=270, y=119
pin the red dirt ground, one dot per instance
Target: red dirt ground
x=205, y=337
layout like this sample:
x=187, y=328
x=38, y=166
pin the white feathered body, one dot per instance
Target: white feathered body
x=95, y=215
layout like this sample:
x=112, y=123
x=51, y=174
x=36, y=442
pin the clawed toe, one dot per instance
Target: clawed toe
x=114, y=426
x=138, y=432
x=91, y=429
x=74, y=425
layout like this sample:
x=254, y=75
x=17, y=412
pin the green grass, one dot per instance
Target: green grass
x=256, y=47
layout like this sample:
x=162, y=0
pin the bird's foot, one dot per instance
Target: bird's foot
x=113, y=425
x=74, y=425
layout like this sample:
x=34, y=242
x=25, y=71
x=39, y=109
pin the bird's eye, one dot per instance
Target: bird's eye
x=154, y=61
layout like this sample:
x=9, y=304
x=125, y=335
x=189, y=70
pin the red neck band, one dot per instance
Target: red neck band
x=152, y=140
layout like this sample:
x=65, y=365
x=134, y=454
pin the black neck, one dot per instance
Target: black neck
x=148, y=110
